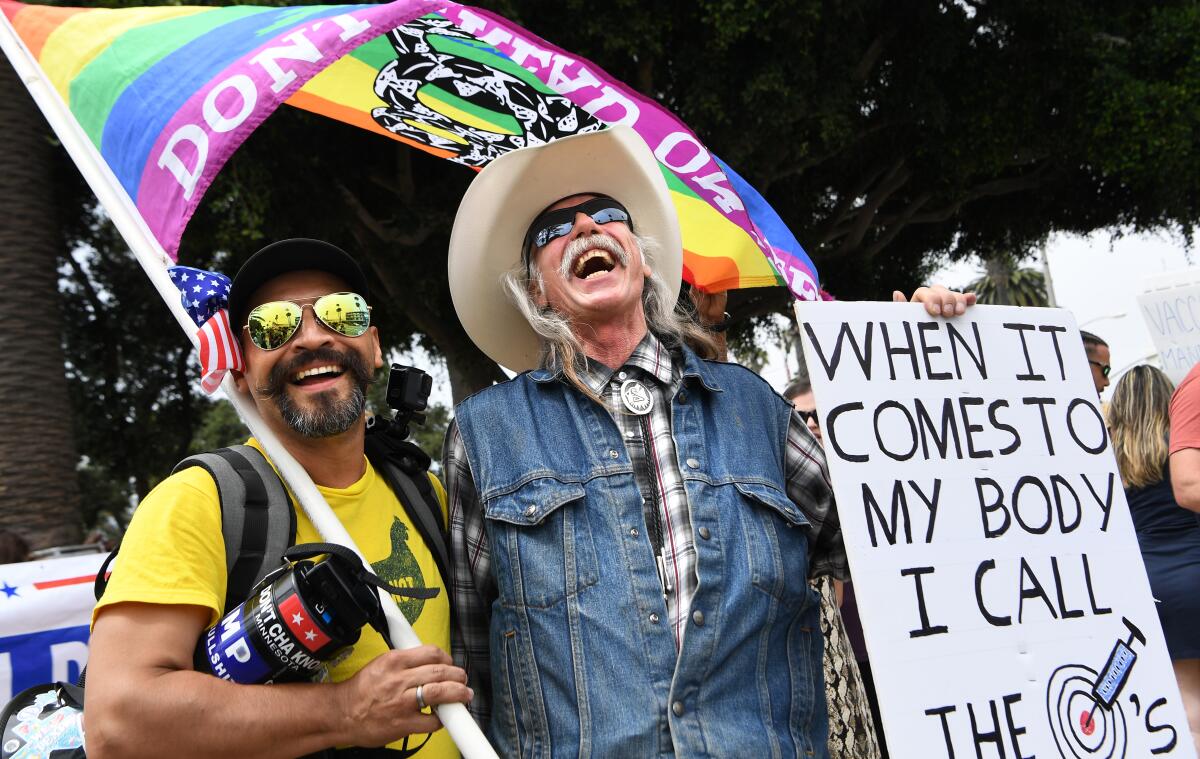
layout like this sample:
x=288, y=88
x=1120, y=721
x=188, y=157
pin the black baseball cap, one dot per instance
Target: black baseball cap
x=295, y=254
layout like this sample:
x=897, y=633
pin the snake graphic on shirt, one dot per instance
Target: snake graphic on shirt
x=402, y=570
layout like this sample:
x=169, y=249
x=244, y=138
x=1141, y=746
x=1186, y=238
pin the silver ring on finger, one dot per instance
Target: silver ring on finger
x=421, y=698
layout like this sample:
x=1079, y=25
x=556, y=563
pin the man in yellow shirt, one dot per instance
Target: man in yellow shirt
x=308, y=379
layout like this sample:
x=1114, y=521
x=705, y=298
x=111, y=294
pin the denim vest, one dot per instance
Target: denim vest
x=583, y=658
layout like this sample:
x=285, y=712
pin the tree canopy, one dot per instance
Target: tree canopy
x=889, y=136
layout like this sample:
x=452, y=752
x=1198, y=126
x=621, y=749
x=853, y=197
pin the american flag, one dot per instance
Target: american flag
x=204, y=294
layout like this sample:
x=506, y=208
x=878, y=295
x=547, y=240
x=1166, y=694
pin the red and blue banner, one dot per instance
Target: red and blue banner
x=45, y=615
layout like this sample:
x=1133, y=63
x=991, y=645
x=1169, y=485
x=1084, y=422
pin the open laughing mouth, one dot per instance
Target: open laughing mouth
x=316, y=371
x=317, y=375
x=593, y=263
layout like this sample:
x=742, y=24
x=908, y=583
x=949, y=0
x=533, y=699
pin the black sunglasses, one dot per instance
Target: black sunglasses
x=558, y=223
x=1104, y=368
x=809, y=416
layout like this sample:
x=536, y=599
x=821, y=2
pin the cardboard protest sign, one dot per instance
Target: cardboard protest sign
x=1002, y=593
x=1170, y=308
x=45, y=611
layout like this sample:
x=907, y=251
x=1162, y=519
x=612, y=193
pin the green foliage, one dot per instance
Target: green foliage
x=1007, y=283
x=221, y=427
x=429, y=436
x=889, y=136
x=748, y=343
x=130, y=374
x=886, y=132
x=106, y=497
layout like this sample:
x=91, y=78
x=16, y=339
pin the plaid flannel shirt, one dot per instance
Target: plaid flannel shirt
x=660, y=372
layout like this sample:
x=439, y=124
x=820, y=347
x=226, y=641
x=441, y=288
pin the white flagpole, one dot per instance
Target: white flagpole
x=154, y=261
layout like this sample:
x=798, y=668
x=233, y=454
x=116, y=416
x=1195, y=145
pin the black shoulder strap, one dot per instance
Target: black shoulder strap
x=258, y=520
x=411, y=485
x=417, y=489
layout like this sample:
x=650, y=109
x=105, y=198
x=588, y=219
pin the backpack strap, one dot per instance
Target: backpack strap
x=407, y=477
x=425, y=511
x=258, y=520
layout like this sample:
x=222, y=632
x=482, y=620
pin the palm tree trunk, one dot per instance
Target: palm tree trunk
x=39, y=493
x=999, y=270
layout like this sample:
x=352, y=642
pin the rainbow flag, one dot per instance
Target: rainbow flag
x=166, y=94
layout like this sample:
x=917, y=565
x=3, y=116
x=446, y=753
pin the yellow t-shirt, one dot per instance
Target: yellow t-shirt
x=173, y=553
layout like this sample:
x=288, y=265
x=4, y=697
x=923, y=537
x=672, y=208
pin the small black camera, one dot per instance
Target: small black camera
x=408, y=395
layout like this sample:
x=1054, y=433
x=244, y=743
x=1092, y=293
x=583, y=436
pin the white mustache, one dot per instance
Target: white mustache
x=581, y=245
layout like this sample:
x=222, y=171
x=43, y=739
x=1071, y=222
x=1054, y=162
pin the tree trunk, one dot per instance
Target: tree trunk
x=1000, y=270
x=39, y=492
x=470, y=371
x=469, y=368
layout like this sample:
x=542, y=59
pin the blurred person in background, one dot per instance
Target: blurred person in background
x=1169, y=536
x=1185, y=441
x=1098, y=358
x=853, y=708
x=799, y=393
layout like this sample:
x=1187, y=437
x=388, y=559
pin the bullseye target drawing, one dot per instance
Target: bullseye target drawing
x=1082, y=728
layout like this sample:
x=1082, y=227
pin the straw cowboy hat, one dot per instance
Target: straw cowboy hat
x=512, y=190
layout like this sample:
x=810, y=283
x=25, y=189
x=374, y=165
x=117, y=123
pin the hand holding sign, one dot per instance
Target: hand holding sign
x=938, y=300
x=996, y=568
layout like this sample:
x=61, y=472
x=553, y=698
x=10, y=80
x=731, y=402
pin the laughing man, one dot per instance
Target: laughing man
x=633, y=524
x=308, y=366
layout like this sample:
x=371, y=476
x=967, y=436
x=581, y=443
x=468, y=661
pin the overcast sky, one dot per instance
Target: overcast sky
x=1099, y=279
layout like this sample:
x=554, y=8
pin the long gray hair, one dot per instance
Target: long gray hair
x=561, y=349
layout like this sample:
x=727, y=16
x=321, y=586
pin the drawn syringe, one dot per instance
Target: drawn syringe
x=1116, y=671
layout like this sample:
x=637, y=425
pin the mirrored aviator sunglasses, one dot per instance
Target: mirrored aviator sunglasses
x=273, y=323
x=559, y=222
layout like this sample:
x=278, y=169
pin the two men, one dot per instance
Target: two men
x=632, y=524
x=307, y=368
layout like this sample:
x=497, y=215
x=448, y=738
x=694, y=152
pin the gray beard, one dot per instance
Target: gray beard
x=328, y=418
x=581, y=245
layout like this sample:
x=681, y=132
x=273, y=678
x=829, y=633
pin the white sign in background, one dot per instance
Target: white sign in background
x=45, y=612
x=1170, y=308
x=1003, y=597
